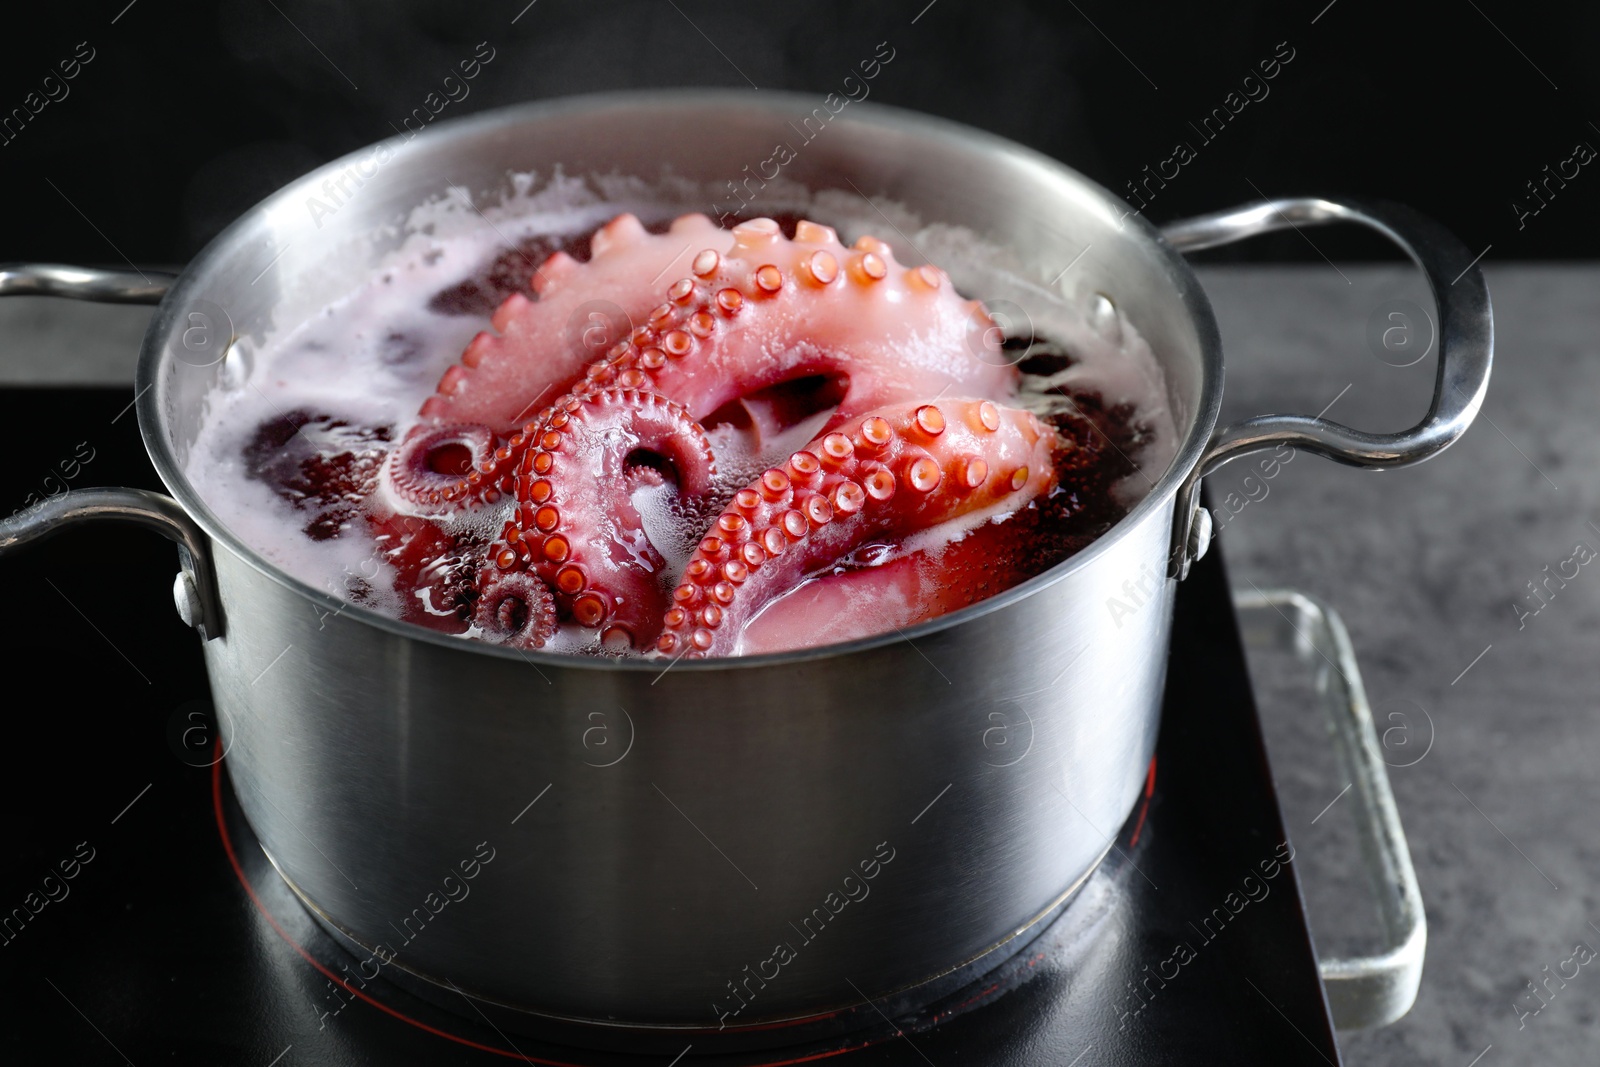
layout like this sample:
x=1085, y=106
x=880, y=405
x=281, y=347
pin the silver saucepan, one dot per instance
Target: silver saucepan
x=761, y=844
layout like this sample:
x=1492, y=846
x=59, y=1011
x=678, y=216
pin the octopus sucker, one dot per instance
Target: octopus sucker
x=806, y=528
x=448, y=466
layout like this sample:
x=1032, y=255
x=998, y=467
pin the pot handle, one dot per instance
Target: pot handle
x=195, y=590
x=1375, y=989
x=1466, y=347
x=84, y=283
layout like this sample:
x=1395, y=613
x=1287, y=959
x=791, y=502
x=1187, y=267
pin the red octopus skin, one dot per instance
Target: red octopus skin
x=887, y=475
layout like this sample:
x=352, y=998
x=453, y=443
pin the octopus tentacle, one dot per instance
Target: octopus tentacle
x=514, y=608
x=454, y=465
x=576, y=525
x=895, y=472
x=785, y=327
x=770, y=310
x=538, y=348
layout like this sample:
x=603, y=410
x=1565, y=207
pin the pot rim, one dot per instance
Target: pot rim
x=154, y=348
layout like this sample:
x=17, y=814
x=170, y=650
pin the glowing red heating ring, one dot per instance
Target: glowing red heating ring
x=238, y=871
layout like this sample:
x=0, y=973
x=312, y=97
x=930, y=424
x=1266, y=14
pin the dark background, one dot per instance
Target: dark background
x=189, y=113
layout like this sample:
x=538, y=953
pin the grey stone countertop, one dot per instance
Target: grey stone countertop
x=1428, y=567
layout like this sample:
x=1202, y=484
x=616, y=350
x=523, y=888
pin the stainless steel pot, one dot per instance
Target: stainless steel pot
x=758, y=845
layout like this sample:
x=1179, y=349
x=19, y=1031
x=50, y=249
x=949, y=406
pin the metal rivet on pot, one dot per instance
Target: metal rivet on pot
x=1199, y=535
x=1103, y=317
x=235, y=369
x=186, y=597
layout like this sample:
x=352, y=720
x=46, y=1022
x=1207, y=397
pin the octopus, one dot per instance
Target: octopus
x=513, y=502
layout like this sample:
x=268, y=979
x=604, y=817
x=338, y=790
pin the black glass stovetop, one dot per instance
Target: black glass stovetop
x=172, y=941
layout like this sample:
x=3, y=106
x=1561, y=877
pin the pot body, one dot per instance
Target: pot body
x=685, y=827
x=724, y=843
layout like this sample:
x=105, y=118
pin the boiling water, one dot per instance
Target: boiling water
x=290, y=449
